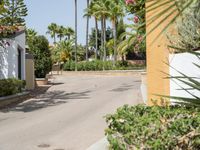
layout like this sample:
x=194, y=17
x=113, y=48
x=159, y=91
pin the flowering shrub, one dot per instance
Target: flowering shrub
x=137, y=8
x=6, y=32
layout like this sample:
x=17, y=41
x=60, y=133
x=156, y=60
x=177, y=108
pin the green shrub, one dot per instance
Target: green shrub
x=154, y=128
x=11, y=86
x=39, y=47
x=99, y=65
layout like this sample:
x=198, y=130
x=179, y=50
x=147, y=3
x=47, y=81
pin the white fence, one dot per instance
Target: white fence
x=183, y=62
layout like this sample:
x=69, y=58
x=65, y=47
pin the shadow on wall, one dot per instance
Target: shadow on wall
x=12, y=62
x=48, y=99
x=2, y=61
x=8, y=61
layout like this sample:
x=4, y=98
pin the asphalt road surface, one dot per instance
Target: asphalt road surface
x=69, y=116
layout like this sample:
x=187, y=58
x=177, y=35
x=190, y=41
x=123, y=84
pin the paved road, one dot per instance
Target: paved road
x=69, y=116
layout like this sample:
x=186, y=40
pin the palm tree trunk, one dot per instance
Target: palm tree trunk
x=102, y=36
x=97, y=31
x=87, y=31
x=75, y=35
x=115, y=40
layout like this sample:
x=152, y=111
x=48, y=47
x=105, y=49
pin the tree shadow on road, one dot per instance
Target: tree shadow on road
x=48, y=99
x=126, y=87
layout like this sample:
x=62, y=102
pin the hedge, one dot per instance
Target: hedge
x=11, y=86
x=100, y=65
x=154, y=128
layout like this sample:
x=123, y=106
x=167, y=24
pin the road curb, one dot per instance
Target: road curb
x=100, y=145
x=105, y=73
x=8, y=100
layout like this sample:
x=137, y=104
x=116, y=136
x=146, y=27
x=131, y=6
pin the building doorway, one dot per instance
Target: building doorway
x=19, y=64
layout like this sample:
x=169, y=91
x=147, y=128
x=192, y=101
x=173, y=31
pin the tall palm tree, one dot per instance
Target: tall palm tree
x=90, y=12
x=101, y=9
x=60, y=32
x=87, y=32
x=115, y=11
x=52, y=30
x=76, y=20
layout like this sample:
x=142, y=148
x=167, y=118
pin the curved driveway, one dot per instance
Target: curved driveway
x=69, y=116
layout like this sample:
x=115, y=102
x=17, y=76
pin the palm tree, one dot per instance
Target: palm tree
x=115, y=11
x=87, y=32
x=76, y=20
x=62, y=52
x=52, y=30
x=90, y=11
x=101, y=9
x=60, y=32
x=69, y=32
x=172, y=9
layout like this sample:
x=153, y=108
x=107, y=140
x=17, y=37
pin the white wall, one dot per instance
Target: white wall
x=183, y=62
x=20, y=41
x=9, y=58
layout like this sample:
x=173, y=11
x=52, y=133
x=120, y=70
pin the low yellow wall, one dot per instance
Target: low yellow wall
x=30, y=74
x=157, y=56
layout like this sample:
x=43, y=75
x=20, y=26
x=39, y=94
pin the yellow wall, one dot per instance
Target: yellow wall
x=30, y=74
x=157, y=56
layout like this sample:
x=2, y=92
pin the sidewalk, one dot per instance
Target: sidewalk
x=100, y=145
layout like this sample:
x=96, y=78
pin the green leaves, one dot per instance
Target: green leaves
x=14, y=13
x=169, y=10
x=39, y=47
x=188, y=31
x=155, y=128
x=11, y=86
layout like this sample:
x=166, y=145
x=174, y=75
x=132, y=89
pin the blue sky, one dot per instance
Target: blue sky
x=43, y=12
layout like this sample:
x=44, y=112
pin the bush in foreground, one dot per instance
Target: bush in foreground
x=11, y=86
x=155, y=128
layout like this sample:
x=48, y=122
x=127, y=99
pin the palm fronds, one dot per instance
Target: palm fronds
x=163, y=10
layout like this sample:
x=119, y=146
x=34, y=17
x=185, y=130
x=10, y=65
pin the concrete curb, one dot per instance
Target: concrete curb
x=7, y=100
x=100, y=145
x=105, y=73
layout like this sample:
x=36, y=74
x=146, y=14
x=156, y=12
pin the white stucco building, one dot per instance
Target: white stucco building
x=12, y=57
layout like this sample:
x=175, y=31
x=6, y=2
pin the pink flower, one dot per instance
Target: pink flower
x=139, y=38
x=130, y=2
x=136, y=19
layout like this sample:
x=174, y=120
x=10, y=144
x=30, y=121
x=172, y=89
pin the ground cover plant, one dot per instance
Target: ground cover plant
x=156, y=128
